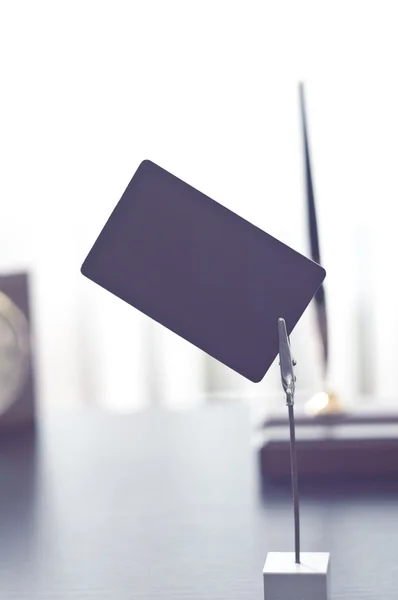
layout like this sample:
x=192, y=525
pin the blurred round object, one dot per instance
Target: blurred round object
x=324, y=403
x=14, y=352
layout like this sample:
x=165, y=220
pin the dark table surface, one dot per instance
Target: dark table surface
x=171, y=505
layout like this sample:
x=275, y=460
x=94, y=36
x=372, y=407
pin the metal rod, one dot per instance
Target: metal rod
x=288, y=378
x=293, y=467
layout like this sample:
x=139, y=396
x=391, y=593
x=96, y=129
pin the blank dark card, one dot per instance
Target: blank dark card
x=202, y=271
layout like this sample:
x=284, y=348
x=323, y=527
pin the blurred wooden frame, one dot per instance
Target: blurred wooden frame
x=20, y=410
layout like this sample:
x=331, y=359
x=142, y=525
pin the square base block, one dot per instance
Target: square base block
x=286, y=580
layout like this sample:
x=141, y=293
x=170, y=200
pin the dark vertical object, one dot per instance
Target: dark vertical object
x=320, y=299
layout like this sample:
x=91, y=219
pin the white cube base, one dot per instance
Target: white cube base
x=284, y=579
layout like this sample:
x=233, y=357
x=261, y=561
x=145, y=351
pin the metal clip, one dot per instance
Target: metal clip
x=286, y=363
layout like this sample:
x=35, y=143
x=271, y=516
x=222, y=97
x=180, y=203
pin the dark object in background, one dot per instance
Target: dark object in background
x=354, y=446
x=17, y=405
x=201, y=270
x=320, y=298
x=361, y=443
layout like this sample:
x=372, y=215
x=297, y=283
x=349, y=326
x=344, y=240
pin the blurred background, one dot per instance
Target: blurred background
x=209, y=91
